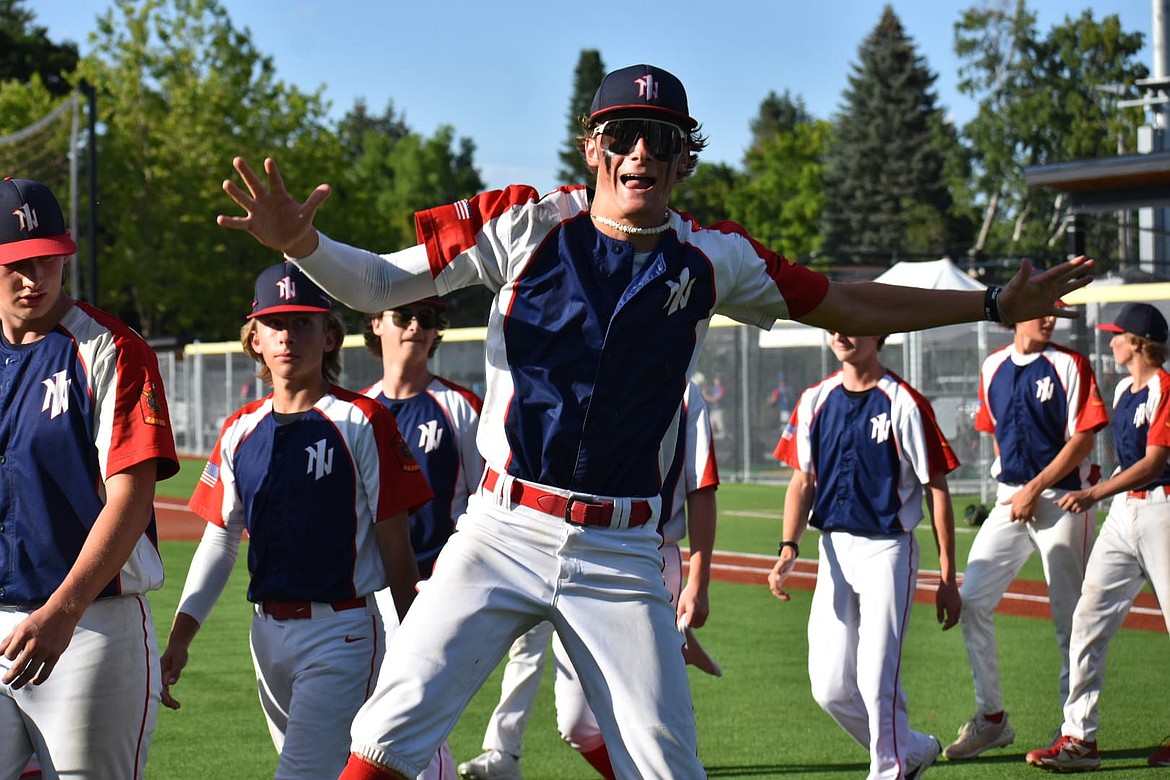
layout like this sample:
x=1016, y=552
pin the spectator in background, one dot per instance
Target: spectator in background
x=714, y=398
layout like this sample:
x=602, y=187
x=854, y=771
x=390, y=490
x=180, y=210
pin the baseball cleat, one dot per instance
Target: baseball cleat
x=1160, y=757
x=928, y=760
x=696, y=656
x=1066, y=754
x=979, y=734
x=492, y=765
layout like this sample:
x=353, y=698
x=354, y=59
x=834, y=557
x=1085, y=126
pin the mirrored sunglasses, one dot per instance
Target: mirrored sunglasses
x=426, y=318
x=663, y=140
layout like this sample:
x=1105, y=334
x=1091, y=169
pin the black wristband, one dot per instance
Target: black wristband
x=991, y=311
x=795, y=548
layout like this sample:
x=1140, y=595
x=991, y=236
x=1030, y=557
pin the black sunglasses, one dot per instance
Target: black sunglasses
x=427, y=319
x=663, y=140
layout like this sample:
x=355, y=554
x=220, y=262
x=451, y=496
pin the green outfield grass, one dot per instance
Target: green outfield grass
x=758, y=721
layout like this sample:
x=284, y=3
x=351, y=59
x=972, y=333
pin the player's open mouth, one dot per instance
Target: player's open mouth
x=636, y=182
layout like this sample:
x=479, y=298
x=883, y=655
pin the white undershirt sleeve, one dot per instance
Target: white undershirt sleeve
x=211, y=566
x=369, y=282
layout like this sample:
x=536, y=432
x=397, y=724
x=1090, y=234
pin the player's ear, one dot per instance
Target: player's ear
x=592, y=152
x=377, y=323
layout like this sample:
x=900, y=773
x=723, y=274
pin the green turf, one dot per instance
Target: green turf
x=758, y=721
x=182, y=484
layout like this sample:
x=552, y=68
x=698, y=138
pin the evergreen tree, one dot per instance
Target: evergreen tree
x=589, y=73
x=778, y=114
x=885, y=195
x=780, y=199
x=25, y=49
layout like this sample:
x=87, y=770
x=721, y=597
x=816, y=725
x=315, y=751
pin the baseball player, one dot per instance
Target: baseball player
x=1133, y=547
x=323, y=482
x=688, y=500
x=438, y=418
x=603, y=297
x=86, y=436
x=1041, y=402
x=864, y=447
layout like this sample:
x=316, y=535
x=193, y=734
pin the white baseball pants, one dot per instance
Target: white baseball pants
x=1001, y=547
x=857, y=623
x=1133, y=547
x=506, y=569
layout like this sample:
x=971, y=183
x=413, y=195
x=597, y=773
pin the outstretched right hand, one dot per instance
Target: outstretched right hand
x=274, y=218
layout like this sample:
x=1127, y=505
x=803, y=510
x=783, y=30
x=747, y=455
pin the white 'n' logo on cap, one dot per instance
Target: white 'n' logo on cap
x=647, y=87
x=27, y=217
x=286, y=288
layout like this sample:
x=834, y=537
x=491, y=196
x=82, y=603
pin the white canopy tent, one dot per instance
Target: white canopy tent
x=933, y=275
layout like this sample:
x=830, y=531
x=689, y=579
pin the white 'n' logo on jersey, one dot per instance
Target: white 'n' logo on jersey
x=320, y=460
x=1044, y=389
x=1141, y=415
x=56, y=394
x=430, y=436
x=879, y=429
x=680, y=292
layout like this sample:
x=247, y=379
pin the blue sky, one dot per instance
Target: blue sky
x=501, y=72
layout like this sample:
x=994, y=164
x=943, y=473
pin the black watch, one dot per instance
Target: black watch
x=795, y=548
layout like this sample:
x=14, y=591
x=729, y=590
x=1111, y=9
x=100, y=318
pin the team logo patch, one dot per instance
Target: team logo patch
x=405, y=458
x=150, y=407
x=210, y=475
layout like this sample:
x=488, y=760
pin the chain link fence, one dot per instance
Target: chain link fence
x=762, y=374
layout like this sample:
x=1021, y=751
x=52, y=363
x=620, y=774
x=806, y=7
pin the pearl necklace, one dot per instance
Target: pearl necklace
x=631, y=229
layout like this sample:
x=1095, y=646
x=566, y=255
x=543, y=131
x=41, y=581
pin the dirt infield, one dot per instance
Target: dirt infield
x=1025, y=597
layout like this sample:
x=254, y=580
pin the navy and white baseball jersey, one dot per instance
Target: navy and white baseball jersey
x=577, y=352
x=1142, y=419
x=439, y=426
x=1032, y=426
x=76, y=407
x=869, y=453
x=309, y=492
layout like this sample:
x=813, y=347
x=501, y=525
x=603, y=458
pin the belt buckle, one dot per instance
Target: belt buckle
x=585, y=505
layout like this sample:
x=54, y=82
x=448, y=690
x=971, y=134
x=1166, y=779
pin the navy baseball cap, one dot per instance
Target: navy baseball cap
x=283, y=288
x=1140, y=319
x=31, y=222
x=642, y=91
x=438, y=304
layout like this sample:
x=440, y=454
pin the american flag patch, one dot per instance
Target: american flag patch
x=210, y=475
x=789, y=432
x=463, y=209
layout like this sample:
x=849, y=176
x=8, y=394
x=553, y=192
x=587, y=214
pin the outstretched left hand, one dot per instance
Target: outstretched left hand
x=1029, y=296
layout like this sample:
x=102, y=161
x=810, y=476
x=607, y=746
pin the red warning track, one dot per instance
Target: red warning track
x=1025, y=597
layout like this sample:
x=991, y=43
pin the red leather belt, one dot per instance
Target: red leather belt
x=303, y=610
x=1137, y=494
x=573, y=510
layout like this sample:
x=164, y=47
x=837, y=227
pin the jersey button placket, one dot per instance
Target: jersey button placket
x=848, y=452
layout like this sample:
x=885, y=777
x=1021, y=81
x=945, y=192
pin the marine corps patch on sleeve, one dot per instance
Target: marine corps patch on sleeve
x=152, y=413
x=405, y=457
